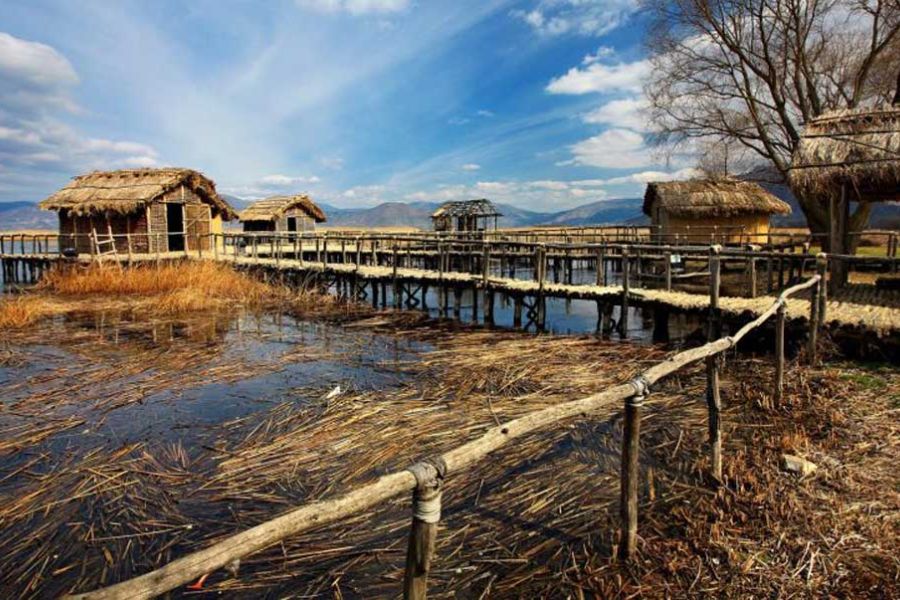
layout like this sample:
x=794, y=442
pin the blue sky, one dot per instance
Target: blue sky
x=532, y=102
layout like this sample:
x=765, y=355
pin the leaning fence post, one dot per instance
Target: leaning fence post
x=423, y=531
x=628, y=499
x=779, y=354
x=713, y=396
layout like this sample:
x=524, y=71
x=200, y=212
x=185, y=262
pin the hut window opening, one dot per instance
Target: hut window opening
x=292, y=224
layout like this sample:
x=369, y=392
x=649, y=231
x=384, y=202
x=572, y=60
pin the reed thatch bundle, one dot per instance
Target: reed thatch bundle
x=860, y=148
x=275, y=207
x=128, y=190
x=712, y=198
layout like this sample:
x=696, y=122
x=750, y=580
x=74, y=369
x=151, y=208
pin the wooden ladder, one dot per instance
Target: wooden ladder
x=104, y=248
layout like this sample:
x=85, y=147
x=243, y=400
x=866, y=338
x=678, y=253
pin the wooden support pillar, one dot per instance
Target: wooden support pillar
x=517, y=312
x=751, y=267
x=457, y=302
x=626, y=268
x=488, y=297
x=668, y=266
x=628, y=499
x=661, y=325
x=779, y=356
x=713, y=396
x=601, y=272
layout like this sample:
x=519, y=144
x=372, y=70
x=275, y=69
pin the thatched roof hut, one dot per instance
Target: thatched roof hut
x=276, y=209
x=726, y=210
x=466, y=215
x=129, y=190
x=139, y=210
x=858, y=149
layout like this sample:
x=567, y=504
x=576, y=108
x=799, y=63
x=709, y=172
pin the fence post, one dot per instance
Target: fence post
x=668, y=259
x=822, y=270
x=713, y=396
x=423, y=530
x=396, y=287
x=779, y=355
x=623, y=317
x=601, y=279
x=628, y=499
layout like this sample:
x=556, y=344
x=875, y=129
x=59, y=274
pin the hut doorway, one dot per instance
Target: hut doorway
x=292, y=224
x=175, y=226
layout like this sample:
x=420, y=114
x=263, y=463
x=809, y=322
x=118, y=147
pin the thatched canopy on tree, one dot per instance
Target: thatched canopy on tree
x=276, y=207
x=706, y=199
x=859, y=149
x=129, y=190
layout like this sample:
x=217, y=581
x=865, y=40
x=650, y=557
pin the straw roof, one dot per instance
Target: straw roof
x=856, y=147
x=712, y=198
x=465, y=208
x=273, y=208
x=128, y=190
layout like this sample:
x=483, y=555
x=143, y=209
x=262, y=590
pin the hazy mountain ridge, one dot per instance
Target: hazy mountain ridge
x=26, y=215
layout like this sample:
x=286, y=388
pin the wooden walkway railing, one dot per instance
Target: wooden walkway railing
x=426, y=478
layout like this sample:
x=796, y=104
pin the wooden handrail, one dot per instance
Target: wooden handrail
x=317, y=514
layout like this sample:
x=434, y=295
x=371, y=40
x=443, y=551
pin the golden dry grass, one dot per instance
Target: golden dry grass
x=22, y=311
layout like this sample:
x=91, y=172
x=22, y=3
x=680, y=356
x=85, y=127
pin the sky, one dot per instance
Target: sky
x=536, y=103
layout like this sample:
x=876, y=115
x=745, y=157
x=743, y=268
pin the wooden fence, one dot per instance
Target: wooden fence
x=426, y=479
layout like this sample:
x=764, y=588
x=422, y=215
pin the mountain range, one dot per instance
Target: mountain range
x=26, y=215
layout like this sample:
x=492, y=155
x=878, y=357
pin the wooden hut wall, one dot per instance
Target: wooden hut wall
x=733, y=230
x=77, y=230
x=259, y=226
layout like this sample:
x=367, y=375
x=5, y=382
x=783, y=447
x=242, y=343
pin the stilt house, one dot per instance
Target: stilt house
x=723, y=211
x=144, y=210
x=466, y=216
x=282, y=214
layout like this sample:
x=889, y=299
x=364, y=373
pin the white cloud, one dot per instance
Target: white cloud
x=577, y=17
x=624, y=112
x=548, y=185
x=36, y=84
x=286, y=180
x=601, y=78
x=334, y=163
x=612, y=149
x=642, y=177
x=601, y=53
x=470, y=167
x=355, y=7
x=485, y=113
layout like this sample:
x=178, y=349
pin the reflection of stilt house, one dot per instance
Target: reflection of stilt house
x=845, y=157
x=282, y=214
x=148, y=210
x=466, y=215
x=724, y=211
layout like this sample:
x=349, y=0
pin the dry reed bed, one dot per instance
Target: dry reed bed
x=537, y=519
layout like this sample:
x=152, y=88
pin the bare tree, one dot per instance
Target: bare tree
x=753, y=71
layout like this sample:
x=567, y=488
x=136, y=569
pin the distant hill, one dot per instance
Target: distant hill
x=26, y=215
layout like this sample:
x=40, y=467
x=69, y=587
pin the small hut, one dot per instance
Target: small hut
x=844, y=157
x=726, y=211
x=141, y=210
x=466, y=216
x=283, y=214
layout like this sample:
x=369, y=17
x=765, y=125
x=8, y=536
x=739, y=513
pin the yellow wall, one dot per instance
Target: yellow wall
x=741, y=229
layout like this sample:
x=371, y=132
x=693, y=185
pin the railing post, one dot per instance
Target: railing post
x=423, y=530
x=779, y=355
x=601, y=279
x=668, y=259
x=822, y=270
x=623, y=317
x=628, y=499
x=752, y=267
x=396, y=288
x=713, y=397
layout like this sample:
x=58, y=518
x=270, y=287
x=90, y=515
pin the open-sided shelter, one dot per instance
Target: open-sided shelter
x=146, y=210
x=844, y=157
x=283, y=214
x=728, y=210
x=466, y=215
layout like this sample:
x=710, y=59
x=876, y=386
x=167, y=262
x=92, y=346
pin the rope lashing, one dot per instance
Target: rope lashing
x=429, y=474
x=641, y=389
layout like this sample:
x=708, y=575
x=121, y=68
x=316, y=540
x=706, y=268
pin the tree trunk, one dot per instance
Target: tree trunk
x=815, y=209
